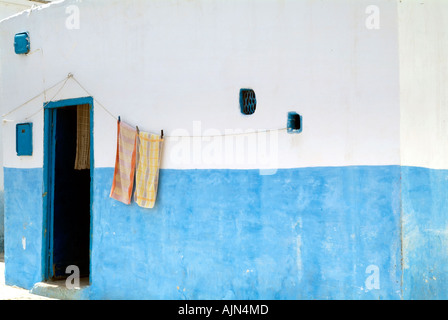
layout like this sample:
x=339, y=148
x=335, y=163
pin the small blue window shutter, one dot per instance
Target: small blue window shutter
x=24, y=139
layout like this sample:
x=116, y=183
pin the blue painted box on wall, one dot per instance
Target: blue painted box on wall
x=22, y=43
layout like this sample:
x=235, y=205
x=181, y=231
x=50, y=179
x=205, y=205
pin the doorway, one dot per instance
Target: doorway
x=68, y=171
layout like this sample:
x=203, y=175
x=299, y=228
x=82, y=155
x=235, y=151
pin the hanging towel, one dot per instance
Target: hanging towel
x=82, y=137
x=149, y=148
x=123, y=181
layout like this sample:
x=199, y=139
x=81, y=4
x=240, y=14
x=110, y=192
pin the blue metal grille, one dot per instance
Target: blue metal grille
x=248, y=101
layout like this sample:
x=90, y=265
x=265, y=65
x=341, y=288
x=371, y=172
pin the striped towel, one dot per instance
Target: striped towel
x=123, y=182
x=82, y=137
x=148, y=164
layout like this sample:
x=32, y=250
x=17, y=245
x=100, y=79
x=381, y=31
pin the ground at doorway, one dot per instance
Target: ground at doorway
x=14, y=293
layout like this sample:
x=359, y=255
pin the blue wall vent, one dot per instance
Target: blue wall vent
x=24, y=139
x=22, y=43
x=248, y=101
x=294, y=122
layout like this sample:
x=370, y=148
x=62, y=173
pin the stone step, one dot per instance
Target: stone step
x=59, y=290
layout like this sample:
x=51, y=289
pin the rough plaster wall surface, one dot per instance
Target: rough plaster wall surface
x=224, y=230
x=346, y=196
x=300, y=234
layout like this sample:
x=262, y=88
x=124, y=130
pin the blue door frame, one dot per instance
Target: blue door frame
x=49, y=173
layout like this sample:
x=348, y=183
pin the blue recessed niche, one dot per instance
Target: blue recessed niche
x=294, y=124
x=22, y=43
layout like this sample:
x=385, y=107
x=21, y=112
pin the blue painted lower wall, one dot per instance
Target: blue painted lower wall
x=308, y=233
x=23, y=226
x=2, y=222
x=234, y=234
x=425, y=233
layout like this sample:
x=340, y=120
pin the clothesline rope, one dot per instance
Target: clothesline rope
x=231, y=134
x=71, y=76
x=60, y=89
x=105, y=109
x=35, y=97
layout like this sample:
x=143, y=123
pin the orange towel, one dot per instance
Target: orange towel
x=123, y=182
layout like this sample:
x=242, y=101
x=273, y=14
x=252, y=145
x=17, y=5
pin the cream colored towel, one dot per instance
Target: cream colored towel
x=149, y=149
x=82, y=160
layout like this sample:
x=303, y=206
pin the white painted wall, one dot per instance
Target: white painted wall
x=12, y=7
x=164, y=64
x=424, y=82
x=8, y=8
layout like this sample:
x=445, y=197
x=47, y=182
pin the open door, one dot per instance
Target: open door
x=68, y=199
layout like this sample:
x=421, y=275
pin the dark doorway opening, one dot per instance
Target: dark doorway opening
x=70, y=209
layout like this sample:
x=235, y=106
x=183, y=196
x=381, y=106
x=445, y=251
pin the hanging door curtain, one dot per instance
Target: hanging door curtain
x=82, y=160
x=149, y=148
x=123, y=181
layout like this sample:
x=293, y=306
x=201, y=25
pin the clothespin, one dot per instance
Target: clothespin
x=119, y=119
x=161, y=134
x=138, y=130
